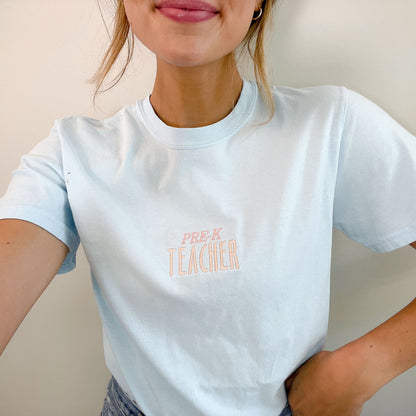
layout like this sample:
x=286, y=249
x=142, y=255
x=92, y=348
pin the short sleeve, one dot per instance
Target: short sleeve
x=37, y=193
x=375, y=191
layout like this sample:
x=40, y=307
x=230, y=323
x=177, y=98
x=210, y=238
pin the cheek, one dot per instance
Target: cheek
x=140, y=16
x=235, y=28
x=237, y=18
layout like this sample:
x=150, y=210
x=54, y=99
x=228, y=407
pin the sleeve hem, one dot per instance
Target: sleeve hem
x=394, y=241
x=45, y=221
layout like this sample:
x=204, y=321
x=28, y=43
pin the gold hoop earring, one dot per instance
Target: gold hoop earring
x=259, y=15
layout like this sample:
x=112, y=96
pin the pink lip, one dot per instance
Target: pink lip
x=190, y=11
x=187, y=5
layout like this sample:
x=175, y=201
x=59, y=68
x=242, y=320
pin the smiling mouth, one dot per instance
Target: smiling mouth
x=187, y=11
x=187, y=5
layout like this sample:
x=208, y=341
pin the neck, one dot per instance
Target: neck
x=195, y=96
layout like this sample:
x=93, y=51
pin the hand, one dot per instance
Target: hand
x=328, y=384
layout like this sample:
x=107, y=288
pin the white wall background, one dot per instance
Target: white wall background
x=54, y=364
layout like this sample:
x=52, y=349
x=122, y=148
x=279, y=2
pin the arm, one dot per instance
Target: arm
x=386, y=351
x=29, y=259
x=340, y=382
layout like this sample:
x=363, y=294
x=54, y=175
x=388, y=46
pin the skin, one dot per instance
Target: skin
x=197, y=81
x=197, y=84
x=325, y=386
x=340, y=382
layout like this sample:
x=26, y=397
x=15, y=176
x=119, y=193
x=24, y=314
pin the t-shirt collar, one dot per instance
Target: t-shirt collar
x=200, y=136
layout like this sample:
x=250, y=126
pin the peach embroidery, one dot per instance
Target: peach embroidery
x=192, y=257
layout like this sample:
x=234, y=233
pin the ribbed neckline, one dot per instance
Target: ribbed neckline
x=177, y=137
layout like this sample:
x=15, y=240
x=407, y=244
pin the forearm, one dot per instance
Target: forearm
x=385, y=352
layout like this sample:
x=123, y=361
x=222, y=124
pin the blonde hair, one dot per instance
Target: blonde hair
x=122, y=34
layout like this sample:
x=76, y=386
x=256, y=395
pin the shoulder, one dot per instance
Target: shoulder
x=74, y=123
x=311, y=95
x=75, y=127
x=310, y=101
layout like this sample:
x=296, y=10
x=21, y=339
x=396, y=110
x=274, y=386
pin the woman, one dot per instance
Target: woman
x=205, y=211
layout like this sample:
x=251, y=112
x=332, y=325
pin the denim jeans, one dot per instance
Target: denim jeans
x=117, y=403
x=286, y=411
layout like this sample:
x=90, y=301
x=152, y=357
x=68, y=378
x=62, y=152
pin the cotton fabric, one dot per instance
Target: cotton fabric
x=210, y=247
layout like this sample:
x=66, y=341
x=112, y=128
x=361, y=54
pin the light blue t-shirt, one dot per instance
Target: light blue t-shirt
x=210, y=247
